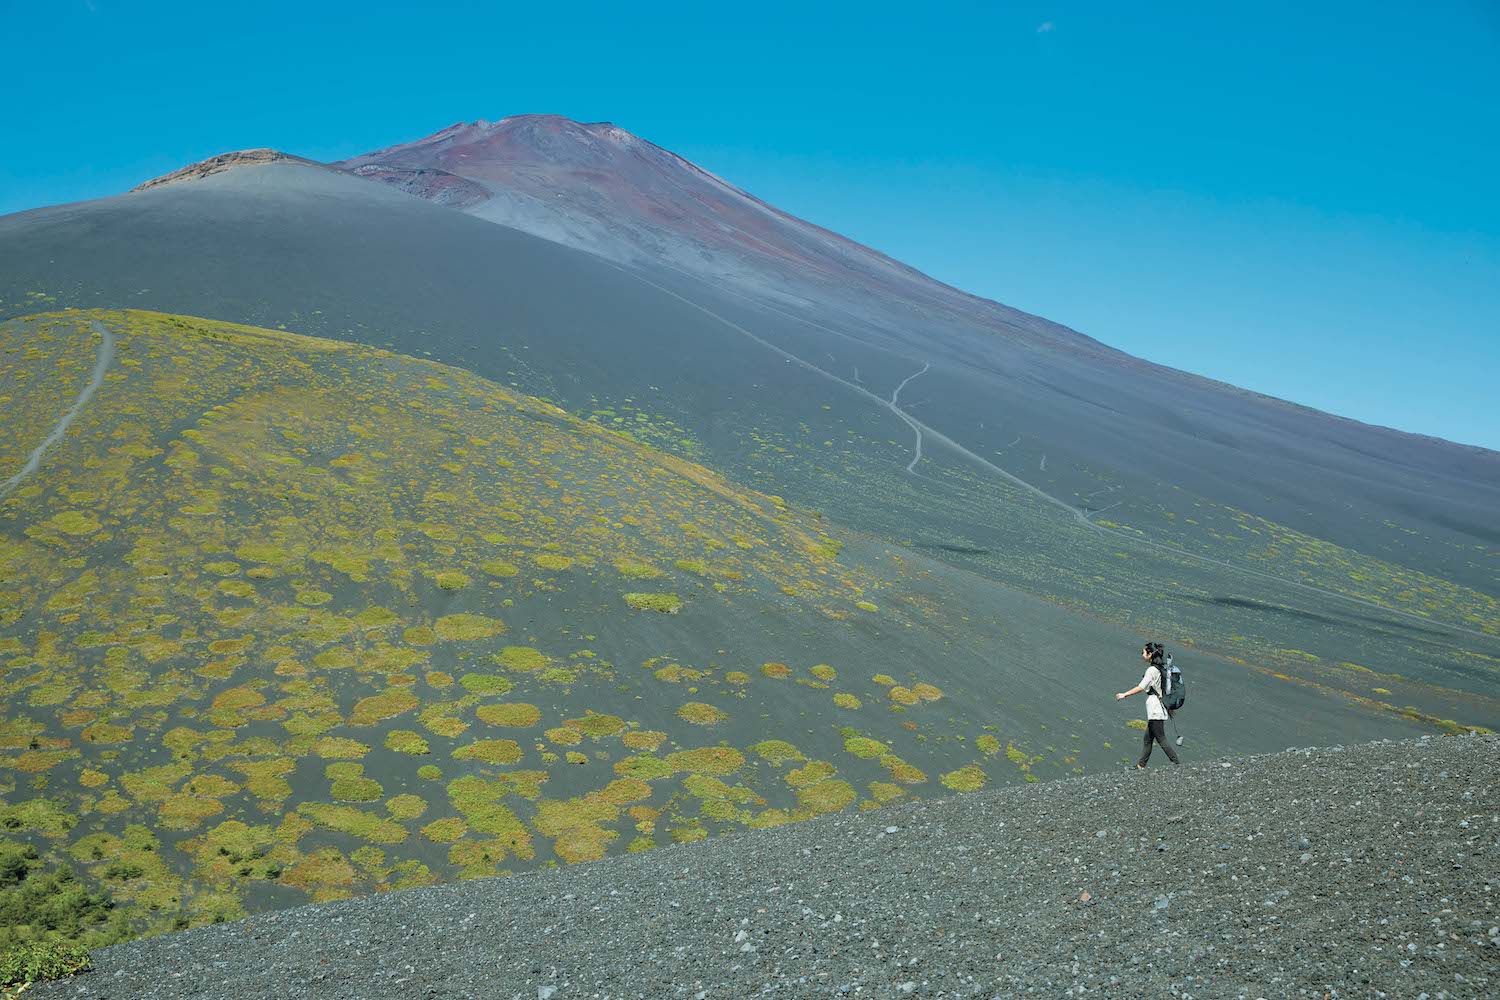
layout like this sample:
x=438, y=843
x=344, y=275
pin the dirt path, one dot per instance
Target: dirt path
x=916, y=427
x=105, y=359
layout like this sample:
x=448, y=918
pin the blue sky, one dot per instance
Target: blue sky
x=1298, y=198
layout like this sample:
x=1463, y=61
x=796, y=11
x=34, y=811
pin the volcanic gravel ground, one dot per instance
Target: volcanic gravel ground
x=1338, y=872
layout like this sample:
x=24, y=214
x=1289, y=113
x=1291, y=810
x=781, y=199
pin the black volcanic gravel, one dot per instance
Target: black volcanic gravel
x=1342, y=872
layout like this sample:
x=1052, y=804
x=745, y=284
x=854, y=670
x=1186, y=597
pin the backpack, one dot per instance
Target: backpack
x=1174, y=688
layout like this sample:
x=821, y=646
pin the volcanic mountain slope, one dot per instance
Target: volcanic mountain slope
x=1277, y=876
x=1385, y=591
x=289, y=619
x=598, y=187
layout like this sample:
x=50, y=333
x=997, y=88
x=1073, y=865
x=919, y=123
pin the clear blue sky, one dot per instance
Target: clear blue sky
x=1303, y=199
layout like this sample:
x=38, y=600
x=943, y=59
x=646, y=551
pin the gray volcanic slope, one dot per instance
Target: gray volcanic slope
x=1367, y=870
x=1357, y=558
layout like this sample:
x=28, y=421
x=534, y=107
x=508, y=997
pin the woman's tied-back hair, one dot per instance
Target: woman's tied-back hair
x=1156, y=651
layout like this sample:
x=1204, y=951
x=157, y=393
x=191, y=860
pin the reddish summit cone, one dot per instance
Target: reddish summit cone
x=600, y=188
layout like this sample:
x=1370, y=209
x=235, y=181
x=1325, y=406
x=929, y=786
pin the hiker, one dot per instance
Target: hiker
x=1156, y=712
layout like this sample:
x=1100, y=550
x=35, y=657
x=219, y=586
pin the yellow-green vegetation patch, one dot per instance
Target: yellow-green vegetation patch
x=644, y=767
x=777, y=671
x=105, y=732
x=667, y=604
x=778, y=751
x=966, y=779
x=479, y=800
x=826, y=796
x=37, y=761
x=707, y=760
x=883, y=792
x=564, y=736
x=926, y=692
x=866, y=606
x=901, y=771
x=451, y=580
x=577, y=826
x=550, y=561
x=185, y=811
x=354, y=822
x=266, y=779
x=701, y=713
x=644, y=739
x=810, y=773
x=466, y=627
x=232, y=850
x=737, y=677
x=1137, y=724
x=356, y=789
x=490, y=751
x=430, y=772
x=485, y=684
x=500, y=568
x=406, y=741
x=843, y=700
x=376, y=617
x=386, y=705
x=823, y=672
x=406, y=806
x=884, y=680
x=339, y=747
x=445, y=831
x=444, y=725
x=320, y=872
x=987, y=744
x=597, y=726
x=633, y=569
x=521, y=658
x=903, y=696
x=74, y=522
x=517, y=714
x=864, y=747
x=527, y=784
x=419, y=635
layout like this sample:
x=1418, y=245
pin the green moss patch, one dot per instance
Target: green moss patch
x=778, y=752
x=466, y=628
x=966, y=779
x=490, y=751
x=667, y=604
x=485, y=684
x=864, y=747
x=386, y=705
x=521, y=658
x=406, y=741
x=701, y=713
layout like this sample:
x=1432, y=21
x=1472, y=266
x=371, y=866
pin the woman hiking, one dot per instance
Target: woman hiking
x=1156, y=713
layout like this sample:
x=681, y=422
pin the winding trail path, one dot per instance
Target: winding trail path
x=916, y=427
x=101, y=365
x=1078, y=514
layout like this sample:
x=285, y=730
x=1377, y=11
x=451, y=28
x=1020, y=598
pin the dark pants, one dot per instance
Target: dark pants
x=1156, y=730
